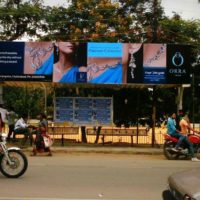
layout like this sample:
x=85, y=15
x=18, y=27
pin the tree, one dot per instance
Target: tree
x=83, y=20
x=102, y=20
x=24, y=100
x=18, y=19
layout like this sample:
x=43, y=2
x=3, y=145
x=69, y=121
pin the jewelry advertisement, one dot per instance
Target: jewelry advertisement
x=154, y=63
x=95, y=62
x=135, y=60
x=178, y=64
x=104, y=63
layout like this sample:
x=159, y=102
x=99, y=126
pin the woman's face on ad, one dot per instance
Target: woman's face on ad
x=67, y=47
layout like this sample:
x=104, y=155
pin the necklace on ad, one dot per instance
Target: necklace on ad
x=156, y=57
x=36, y=54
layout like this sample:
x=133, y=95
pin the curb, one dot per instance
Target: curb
x=104, y=150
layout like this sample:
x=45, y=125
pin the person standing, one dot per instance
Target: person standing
x=11, y=116
x=185, y=128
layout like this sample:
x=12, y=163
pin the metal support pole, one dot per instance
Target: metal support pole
x=154, y=116
x=193, y=99
x=45, y=98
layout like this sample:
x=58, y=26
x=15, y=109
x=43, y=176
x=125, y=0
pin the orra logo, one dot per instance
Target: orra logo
x=177, y=72
x=177, y=61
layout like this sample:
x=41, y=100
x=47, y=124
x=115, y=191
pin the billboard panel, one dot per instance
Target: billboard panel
x=154, y=63
x=95, y=63
x=104, y=63
x=178, y=64
x=132, y=63
x=31, y=61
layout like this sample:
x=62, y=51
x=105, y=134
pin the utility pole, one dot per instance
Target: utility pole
x=154, y=116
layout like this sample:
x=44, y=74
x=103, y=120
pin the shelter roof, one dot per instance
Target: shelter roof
x=34, y=84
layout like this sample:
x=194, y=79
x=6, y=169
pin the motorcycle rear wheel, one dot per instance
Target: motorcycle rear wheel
x=17, y=168
x=198, y=153
x=168, y=153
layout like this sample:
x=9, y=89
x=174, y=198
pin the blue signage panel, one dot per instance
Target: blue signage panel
x=83, y=116
x=102, y=103
x=83, y=103
x=154, y=75
x=64, y=103
x=63, y=115
x=105, y=50
x=84, y=111
x=102, y=116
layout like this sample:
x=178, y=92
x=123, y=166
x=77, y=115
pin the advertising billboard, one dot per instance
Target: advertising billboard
x=95, y=62
x=30, y=61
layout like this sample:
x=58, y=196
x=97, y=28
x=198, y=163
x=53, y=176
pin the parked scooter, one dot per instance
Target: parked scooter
x=13, y=162
x=170, y=143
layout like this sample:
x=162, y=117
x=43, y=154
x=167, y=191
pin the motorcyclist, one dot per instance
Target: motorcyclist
x=171, y=129
x=185, y=128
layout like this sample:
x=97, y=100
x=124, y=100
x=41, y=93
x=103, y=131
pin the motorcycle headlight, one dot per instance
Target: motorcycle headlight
x=3, y=137
x=186, y=197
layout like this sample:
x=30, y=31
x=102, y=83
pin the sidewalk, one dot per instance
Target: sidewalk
x=105, y=150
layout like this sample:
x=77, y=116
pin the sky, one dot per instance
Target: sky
x=187, y=9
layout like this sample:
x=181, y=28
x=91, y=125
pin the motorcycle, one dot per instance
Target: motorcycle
x=170, y=143
x=13, y=162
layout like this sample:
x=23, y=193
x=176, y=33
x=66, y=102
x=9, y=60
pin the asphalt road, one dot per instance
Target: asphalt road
x=93, y=176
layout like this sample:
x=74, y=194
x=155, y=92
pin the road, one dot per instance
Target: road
x=93, y=176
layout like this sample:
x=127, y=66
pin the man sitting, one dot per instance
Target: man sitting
x=21, y=127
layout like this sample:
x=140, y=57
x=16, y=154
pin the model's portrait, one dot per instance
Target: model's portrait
x=70, y=58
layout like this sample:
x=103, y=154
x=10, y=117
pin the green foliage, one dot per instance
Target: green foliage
x=24, y=100
x=18, y=19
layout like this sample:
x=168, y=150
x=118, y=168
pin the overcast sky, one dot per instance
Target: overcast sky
x=188, y=9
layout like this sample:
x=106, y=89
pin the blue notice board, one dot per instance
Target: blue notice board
x=84, y=110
